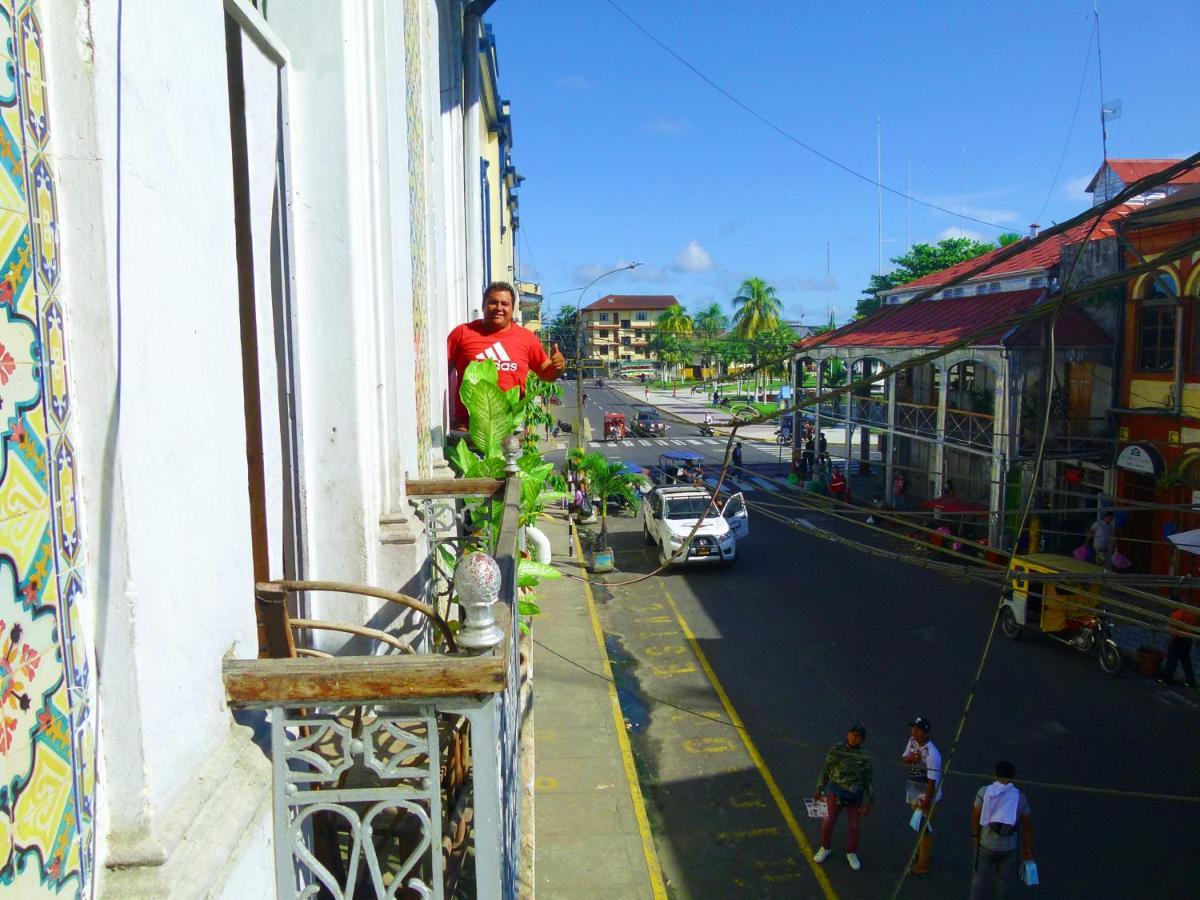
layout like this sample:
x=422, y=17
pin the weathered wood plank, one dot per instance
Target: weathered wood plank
x=354, y=679
x=453, y=487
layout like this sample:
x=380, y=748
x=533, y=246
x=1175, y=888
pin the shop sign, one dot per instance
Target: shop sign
x=1141, y=458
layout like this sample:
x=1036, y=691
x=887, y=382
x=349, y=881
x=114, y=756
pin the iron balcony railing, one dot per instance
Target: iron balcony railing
x=869, y=410
x=916, y=418
x=1066, y=436
x=970, y=429
x=398, y=774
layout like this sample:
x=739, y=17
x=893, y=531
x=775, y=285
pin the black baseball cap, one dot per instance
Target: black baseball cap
x=857, y=729
x=922, y=723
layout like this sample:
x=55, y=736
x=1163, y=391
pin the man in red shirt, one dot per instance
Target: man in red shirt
x=513, y=349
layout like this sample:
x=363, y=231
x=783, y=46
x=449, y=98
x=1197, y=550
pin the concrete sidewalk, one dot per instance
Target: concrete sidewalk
x=592, y=837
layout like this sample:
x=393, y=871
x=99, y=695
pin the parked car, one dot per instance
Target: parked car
x=648, y=423
x=671, y=512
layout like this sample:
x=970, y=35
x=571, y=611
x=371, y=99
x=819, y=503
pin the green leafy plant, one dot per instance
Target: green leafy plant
x=607, y=480
x=494, y=415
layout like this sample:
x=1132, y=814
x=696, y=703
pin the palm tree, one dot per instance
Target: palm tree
x=710, y=321
x=674, y=321
x=757, y=309
x=667, y=347
x=607, y=480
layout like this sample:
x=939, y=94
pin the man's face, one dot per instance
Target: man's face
x=920, y=734
x=853, y=738
x=498, y=308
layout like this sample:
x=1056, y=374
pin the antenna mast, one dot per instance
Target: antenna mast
x=879, y=197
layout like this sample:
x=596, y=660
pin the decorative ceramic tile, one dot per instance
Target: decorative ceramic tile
x=47, y=740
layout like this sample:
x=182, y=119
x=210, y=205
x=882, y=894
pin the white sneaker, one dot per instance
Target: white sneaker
x=821, y=855
x=852, y=858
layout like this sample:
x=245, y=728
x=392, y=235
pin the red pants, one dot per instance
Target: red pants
x=853, y=814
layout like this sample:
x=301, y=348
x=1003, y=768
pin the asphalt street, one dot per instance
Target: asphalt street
x=803, y=638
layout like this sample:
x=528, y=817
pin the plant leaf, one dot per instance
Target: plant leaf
x=527, y=608
x=537, y=569
x=491, y=421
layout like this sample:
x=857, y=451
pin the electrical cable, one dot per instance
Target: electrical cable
x=784, y=133
x=1000, y=604
x=788, y=740
x=1087, y=63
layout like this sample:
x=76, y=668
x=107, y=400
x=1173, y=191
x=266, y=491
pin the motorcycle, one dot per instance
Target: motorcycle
x=562, y=428
x=706, y=430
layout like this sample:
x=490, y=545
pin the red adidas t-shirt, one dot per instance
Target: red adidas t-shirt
x=515, y=351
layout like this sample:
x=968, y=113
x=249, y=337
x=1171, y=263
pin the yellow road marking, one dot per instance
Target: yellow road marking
x=768, y=779
x=657, y=885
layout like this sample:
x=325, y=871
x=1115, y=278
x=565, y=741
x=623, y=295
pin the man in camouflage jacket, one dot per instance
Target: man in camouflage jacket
x=846, y=782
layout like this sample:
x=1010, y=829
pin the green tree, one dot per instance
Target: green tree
x=707, y=324
x=756, y=308
x=710, y=321
x=668, y=348
x=563, y=329
x=1009, y=237
x=674, y=321
x=775, y=348
x=921, y=260
x=606, y=480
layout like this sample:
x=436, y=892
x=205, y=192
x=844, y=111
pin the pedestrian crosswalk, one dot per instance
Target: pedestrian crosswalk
x=658, y=442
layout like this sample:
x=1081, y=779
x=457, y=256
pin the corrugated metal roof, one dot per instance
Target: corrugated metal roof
x=634, y=301
x=1130, y=170
x=937, y=323
x=1041, y=256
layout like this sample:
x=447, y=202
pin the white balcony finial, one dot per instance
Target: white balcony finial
x=511, y=447
x=477, y=584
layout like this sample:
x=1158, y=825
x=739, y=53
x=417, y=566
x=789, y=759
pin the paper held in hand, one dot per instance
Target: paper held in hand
x=816, y=808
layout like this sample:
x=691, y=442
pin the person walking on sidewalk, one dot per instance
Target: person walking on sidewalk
x=999, y=823
x=1179, y=647
x=847, y=782
x=924, y=788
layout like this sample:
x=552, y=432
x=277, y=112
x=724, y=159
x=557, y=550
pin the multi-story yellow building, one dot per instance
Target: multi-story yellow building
x=617, y=328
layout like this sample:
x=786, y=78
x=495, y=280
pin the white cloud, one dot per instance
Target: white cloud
x=973, y=204
x=955, y=232
x=668, y=126
x=573, y=83
x=584, y=274
x=693, y=258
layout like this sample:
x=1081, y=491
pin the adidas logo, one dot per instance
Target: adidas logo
x=497, y=354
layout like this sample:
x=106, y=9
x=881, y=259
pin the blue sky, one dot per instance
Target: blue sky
x=630, y=156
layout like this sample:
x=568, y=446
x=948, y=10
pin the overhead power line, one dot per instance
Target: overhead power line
x=783, y=132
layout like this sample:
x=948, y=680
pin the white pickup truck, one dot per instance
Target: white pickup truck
x=671, y=512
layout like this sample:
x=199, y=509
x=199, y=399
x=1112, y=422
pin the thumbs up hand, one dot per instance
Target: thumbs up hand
x=556, y=359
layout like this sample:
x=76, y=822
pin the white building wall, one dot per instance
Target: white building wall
x=163, y=493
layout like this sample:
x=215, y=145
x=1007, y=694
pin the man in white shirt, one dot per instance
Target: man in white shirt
x=1000, y=824
x=924, y=788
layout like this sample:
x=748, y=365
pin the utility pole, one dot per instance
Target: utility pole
x=579, y=439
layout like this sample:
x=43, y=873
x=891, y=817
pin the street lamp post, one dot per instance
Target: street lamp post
x=579, y=349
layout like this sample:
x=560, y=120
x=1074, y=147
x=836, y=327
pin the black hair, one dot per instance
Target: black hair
x=1005, y=769
x=501, y=286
